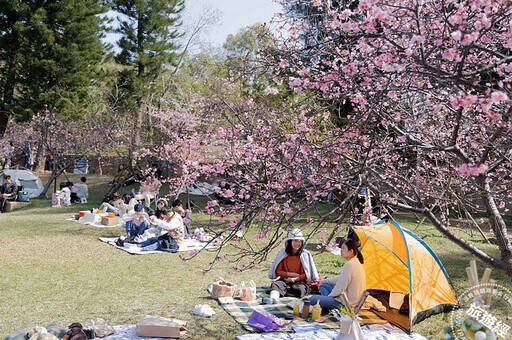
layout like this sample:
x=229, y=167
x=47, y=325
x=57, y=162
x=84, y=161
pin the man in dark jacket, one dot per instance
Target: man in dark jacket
x=8, y=192
x=27, y=155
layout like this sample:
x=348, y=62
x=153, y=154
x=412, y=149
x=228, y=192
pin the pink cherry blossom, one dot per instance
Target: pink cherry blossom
x=270, y=90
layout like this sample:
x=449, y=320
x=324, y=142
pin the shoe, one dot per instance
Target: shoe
x=268, y=301
x=120, y=241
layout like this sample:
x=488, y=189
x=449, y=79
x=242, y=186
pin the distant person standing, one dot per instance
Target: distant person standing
x=7, y=154
x=48, y=161
x=27, y=154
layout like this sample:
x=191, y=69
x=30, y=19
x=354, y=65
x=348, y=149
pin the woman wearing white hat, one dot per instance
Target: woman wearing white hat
x=293, y=268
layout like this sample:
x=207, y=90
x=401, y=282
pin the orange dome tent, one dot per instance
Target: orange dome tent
x=396, y=260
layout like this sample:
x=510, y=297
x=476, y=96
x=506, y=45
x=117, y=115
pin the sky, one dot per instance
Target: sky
x=233, y=15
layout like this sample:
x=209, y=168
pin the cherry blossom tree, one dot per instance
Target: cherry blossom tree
x=68, y=140
x=428, y=128
x=429, y=83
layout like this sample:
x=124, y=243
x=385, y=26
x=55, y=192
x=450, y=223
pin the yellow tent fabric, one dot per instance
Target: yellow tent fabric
x=397, y=260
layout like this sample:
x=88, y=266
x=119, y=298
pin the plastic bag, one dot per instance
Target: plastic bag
x=100, y=327
x=247, y=292
x=349, y=329
x=203, y=310
x=266, y=322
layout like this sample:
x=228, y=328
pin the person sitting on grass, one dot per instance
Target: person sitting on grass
x=128, y=205
x=115, y=207
x=137, y=222
x=171, y=222
x=160, y=203
x=82, y=191
x=149, y=189
x=63, y=197
x=8, y=192
x=293, y=268
x=351, y=281
x=170, y=237
x=153, y=230
x=120, y=175
x=177, y=205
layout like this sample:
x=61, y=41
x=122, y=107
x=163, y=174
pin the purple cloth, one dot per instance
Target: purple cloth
x=266, y=322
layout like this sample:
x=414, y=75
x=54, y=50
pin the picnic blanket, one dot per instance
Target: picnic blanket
x=370, y=332
x=131, y=248
x=124, y=332
x=242, y=310
x=98, y=225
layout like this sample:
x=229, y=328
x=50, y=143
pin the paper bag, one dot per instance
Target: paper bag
x=159, y=327
x=223, y=288
x=108, y=220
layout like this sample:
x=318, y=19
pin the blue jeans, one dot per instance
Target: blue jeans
x=133, y=230
x=26, y=164
x=326, y=302
x=326, y=289
x=148, y=242
x=164, y=243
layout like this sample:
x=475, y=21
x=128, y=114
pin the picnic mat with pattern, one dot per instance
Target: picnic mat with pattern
x=370, y=332
x=242, y=310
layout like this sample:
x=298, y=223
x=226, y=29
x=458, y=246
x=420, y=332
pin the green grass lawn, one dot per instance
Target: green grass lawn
x=57, y=270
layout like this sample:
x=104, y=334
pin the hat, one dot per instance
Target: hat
x=163, y=200
x=295, y=234
x=137, y=207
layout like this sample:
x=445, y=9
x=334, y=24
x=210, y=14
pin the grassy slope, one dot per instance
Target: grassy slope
x=56, y=270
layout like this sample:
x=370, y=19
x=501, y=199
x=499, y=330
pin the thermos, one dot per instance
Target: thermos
x=305, y=309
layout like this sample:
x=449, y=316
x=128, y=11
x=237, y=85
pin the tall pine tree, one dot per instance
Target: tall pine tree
x=57, y=46
x=149, y=31
x=14, y=14
x=149, y=45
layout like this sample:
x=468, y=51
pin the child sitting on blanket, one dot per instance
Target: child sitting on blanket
x=137, y=222
x=172, y=223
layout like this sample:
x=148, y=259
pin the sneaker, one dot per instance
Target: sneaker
x=120, y=241
x=268, y=301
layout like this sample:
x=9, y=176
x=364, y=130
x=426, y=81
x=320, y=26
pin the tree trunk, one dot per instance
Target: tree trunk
x=8, y=90
x=55, y=173
x=497, y=224
x=503, y=265
x=116, y=185
x=4, y=119
x=39, y=158
x=100, y=170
